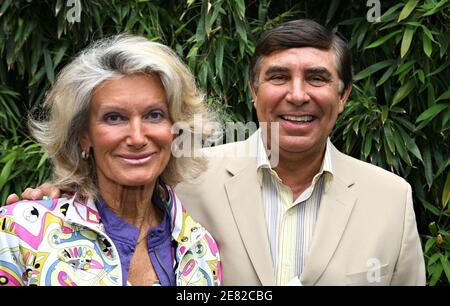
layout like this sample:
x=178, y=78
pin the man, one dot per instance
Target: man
x=317, y=217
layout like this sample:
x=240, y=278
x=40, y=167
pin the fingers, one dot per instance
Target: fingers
x=50, y=190
x=12, y=198
x=32, y=194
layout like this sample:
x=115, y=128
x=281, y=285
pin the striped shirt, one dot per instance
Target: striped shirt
x=290, y=224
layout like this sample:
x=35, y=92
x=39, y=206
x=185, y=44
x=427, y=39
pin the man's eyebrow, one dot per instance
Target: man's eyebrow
x=320, y=70
x=276, y=69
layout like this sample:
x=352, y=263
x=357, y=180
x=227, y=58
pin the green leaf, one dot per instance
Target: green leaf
x=401, y=149
x=426, y=44
x=407, y=9
x=332, y=9
x=49, y=66
x=432, y=227
x=427, y=163
x=6, y=171
x=383, y=39
x=445, y=265
x=446, y=191
x=389, y=138
x=5, y=6
x=219, y=59
x=433, y=209
x=431, y=112
x=436, y=272
x=429, y=244
x=367, y=145
x=403, y=92
x=387, y=74
x=372, y=69
x=444, y=96
x=406, y=41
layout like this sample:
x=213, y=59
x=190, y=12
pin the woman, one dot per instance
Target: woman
x=109, y=136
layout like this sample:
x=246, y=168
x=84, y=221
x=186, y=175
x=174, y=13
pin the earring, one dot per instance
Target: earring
x=85, y=154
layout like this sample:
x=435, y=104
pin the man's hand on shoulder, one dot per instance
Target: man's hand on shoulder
x=45, y=190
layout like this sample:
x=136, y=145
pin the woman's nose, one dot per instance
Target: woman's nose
x=137, y=137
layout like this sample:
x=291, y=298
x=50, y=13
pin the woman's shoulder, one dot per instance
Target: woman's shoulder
x=31, y=211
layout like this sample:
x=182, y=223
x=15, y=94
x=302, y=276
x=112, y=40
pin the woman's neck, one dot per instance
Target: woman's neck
x=133, y=204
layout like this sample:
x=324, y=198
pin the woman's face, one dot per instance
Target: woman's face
x=129, y=131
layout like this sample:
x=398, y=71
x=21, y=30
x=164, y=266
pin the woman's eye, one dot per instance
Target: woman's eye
x=155, y=116
x=113, y=118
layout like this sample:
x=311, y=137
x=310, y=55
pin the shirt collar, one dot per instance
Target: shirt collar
x=262, y=160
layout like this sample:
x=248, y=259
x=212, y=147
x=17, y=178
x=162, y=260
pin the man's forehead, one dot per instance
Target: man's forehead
x=308, y=58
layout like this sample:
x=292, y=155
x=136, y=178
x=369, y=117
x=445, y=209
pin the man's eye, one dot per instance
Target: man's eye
x=113, y=118
x=278, y=79
x=317, y=80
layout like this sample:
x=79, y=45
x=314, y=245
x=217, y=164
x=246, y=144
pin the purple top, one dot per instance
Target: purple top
x=125, y=235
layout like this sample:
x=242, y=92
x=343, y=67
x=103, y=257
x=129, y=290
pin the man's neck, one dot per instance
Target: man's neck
x=297, y=170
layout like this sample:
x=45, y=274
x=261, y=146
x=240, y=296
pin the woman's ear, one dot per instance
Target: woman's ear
x=85, y=142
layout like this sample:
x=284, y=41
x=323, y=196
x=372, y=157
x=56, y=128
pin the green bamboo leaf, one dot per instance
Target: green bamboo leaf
x=427, y=163
x=332, y=9
x=445, y=265
x=401, y=149
x=5, y=6
x=219, y=59
x=405, y=67
x=446, y=191
x=432, y=227
x=426, y=43
x=390, y=12
x=384, y=113
x=387, y=74
x=367, y=145
x=49, y=66
x=431, y=112
x=6, y=171
x=383, y=39
x=389, y=138
x=372, y=69
x=436, y=272
x=406, y=41
x=444, y=96
x=410, y=143
x=407, y=9
x=429, y=244
x=403, y=92
x=241, y=7
x=435, y=8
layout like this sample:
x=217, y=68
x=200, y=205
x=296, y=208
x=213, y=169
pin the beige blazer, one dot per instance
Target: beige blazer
x=365, y=234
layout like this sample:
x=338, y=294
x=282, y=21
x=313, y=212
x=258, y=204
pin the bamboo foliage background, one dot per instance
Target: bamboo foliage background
x=397, y=117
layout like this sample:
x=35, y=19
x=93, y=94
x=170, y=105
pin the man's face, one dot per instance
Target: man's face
x=299, y=89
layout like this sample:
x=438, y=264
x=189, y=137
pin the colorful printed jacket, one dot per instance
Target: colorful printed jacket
x=62, y=242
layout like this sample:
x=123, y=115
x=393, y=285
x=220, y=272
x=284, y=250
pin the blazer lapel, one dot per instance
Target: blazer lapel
x=244, y=196
x=335, y=209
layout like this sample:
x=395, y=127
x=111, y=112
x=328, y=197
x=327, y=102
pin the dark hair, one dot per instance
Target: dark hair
x=303, y=33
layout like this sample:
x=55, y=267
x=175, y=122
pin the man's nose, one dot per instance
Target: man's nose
x=298, y=93
x=137, y=137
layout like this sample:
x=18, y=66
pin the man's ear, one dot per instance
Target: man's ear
x=253, y=92
x=344, y=97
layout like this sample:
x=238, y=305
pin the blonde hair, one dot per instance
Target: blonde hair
x=69, y=99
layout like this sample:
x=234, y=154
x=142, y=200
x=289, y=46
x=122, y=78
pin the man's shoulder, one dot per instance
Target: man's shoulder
x=356, y=169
